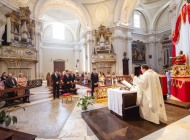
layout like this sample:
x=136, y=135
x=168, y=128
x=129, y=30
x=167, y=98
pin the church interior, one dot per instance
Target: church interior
x=74, y=69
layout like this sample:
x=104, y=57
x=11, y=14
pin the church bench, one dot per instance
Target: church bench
x=20, y=91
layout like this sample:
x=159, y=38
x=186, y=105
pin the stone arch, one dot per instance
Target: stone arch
x=80, y=12
x=145, y=15
x=66, y=27
x=178, y=8
x=118, y=10
x=158, y=13
x=127, y=10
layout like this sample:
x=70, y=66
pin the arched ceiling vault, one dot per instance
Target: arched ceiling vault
x=127, y=10
x=45, y=5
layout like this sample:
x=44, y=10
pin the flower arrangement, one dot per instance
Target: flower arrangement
x=85, y=101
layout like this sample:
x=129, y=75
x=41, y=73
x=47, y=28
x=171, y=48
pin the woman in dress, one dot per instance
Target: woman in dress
x=22, y=81
x=101, y=79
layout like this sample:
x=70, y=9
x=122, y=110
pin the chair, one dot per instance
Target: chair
x=66, y=96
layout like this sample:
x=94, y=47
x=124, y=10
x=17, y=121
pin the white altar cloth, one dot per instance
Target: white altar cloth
x=115, y=99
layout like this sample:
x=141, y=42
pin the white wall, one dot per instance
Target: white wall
x=50, y=54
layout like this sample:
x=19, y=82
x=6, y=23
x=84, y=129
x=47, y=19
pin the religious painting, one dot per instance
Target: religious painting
x=138, y=52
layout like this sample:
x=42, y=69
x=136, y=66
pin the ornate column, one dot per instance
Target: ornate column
x=151, y=50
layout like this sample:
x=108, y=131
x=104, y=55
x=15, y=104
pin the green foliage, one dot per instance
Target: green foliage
x=6, y=118
x=85, y=101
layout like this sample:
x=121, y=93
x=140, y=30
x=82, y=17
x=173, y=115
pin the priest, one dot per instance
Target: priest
x=149, y=96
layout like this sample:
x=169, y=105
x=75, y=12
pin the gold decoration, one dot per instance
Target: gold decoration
x=176, y=83
x=100, y=93
x=180, y=71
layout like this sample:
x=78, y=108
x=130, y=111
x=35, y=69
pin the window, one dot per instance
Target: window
x=136, y=20
x=58, y=31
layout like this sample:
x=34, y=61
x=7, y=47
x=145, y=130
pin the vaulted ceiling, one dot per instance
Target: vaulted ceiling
x=88, y=12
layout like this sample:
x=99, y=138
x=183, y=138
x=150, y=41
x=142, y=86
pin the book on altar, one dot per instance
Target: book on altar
x=127, y=84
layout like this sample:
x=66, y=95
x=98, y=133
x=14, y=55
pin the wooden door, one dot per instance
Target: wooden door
x=60, y=65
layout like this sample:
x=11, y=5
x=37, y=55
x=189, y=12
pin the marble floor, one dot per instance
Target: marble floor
x=53, y=120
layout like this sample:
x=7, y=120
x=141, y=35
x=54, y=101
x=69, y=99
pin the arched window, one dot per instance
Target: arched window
x=136, y=20
x=58, y=31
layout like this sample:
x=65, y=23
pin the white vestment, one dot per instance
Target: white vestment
x=150, y=97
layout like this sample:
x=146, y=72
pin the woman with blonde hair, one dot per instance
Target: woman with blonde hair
x=22, y=81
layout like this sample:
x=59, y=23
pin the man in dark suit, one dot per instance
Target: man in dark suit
x=73, y=79
x=94, y=80
x=56, y=79
x=67, y=82
x=10, y=82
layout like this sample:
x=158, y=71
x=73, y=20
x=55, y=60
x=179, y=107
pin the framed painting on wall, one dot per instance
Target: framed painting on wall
x=138, y=52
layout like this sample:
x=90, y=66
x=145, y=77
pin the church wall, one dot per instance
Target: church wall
x=50, y=54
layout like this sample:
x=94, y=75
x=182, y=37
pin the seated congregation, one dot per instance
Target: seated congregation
x=14, y=89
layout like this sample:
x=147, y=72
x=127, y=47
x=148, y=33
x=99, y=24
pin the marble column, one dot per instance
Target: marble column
x=85, y=58
x=9, y=34
x=129, y=51
x=2, y=30
x=90, y=43
x=119, y=44
x=77, y=57
x=37, y=45
x=151, y=48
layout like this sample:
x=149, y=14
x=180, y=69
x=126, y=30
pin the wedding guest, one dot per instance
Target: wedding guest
x=94, y=80
x=48, y=78
x=22, y=81
x=55, y=79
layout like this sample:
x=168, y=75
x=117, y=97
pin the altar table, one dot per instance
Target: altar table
x=180, y=88
x=115, y=99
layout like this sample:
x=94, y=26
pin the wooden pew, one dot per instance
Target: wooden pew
x=19, y=90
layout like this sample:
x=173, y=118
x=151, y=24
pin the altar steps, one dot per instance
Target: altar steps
x=180, y=104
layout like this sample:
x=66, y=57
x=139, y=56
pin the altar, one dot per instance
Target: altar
x=115, y=100
x=180, y=88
